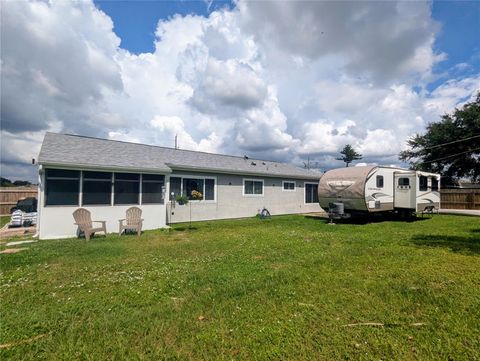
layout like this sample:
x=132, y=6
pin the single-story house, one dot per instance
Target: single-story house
x=107, y=177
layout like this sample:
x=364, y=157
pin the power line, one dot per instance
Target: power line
x=455, y=141
x=450, y=156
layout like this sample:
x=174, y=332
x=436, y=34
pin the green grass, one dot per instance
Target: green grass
x=250, y=290
x=4, y=220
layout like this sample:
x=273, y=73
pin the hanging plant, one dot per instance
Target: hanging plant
x=181, y=199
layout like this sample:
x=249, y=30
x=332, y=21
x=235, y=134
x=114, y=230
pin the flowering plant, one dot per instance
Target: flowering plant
x=197, y=195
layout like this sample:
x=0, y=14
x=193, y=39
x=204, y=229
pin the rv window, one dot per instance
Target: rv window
x=434, y=184
x=97, y=188
x=311, y=193
x=152, y=188
x=423, y=184
x=253, y=187
x=288, y=186
x=403, y=181
x=126, y=188
x=379, y=181
x=62, y=187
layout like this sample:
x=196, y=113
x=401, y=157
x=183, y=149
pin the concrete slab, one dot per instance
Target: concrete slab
x=465, y=212
x=21, y=242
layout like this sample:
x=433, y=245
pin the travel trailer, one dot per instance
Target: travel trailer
x=371, y=189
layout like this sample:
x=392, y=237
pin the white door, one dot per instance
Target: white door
x=404, y=190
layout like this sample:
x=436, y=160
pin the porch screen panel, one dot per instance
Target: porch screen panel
x=209, y=190
x=127, y=188
x=62, y=187
x=152, y=189
x=97, y=188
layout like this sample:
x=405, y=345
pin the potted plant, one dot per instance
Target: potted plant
x=181, y=199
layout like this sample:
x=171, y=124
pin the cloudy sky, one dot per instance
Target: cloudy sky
x=275, y=80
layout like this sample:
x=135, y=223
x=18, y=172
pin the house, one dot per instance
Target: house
x=107, y=177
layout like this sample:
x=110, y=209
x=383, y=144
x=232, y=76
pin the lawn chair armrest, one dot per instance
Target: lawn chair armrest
x=103, y=222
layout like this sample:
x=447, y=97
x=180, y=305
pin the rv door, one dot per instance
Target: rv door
x=404, y=190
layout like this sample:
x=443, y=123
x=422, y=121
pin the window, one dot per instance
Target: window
x=253, y=187
x=126, y=188
x=311, y=193
x=153, y=187
x=209, y=194
x=404, y=182
x=423, y=183
x=175, y=187
x=434, y=184
x=379, y=181
x=97, y=188
x=190, y=185
x=185, y=186
x=288, y=186
x=62, y=187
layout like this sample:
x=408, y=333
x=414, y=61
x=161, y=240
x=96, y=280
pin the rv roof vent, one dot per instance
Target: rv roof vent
x=245, y=157
x=264, y=163
x=253, y=163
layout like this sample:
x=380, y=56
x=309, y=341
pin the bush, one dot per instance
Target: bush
x=181, y=199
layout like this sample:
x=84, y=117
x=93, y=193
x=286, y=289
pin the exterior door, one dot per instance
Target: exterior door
x=404, y=189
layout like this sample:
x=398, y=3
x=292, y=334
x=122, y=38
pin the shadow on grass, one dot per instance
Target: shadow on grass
x=371, y=218
x=184, y=228
x=454, y=243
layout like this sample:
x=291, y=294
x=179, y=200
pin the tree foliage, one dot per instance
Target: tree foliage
x=349, y=155
x=5, y=182
x=450, y=146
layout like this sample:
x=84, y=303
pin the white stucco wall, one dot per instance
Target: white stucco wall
x=58, y=222
x=230, y=201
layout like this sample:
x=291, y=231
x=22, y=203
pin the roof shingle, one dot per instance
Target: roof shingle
x=80, y=151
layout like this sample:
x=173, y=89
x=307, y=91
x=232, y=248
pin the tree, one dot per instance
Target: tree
x=349, y=155
x=450, y=146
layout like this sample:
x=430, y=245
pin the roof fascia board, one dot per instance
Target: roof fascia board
x=254, y=174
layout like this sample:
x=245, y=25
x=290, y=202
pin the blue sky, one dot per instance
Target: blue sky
x=135, y=23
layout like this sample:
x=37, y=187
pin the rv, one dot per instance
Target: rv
x=371, y=189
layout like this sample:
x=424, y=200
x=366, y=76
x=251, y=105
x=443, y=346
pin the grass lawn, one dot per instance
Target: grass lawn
x=4, y=220
x=249, y=290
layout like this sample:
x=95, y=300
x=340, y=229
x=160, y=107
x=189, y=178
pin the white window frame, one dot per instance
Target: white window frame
x=305, y=192
x=189, y=176
x=253, y=180
x=289, y=190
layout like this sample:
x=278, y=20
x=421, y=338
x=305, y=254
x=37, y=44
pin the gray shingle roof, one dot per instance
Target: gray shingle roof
x=80, y=151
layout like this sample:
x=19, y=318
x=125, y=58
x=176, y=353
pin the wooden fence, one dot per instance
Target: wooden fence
x=460, y=198
x=10, y=195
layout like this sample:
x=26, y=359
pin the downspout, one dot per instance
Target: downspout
x=39, y=200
